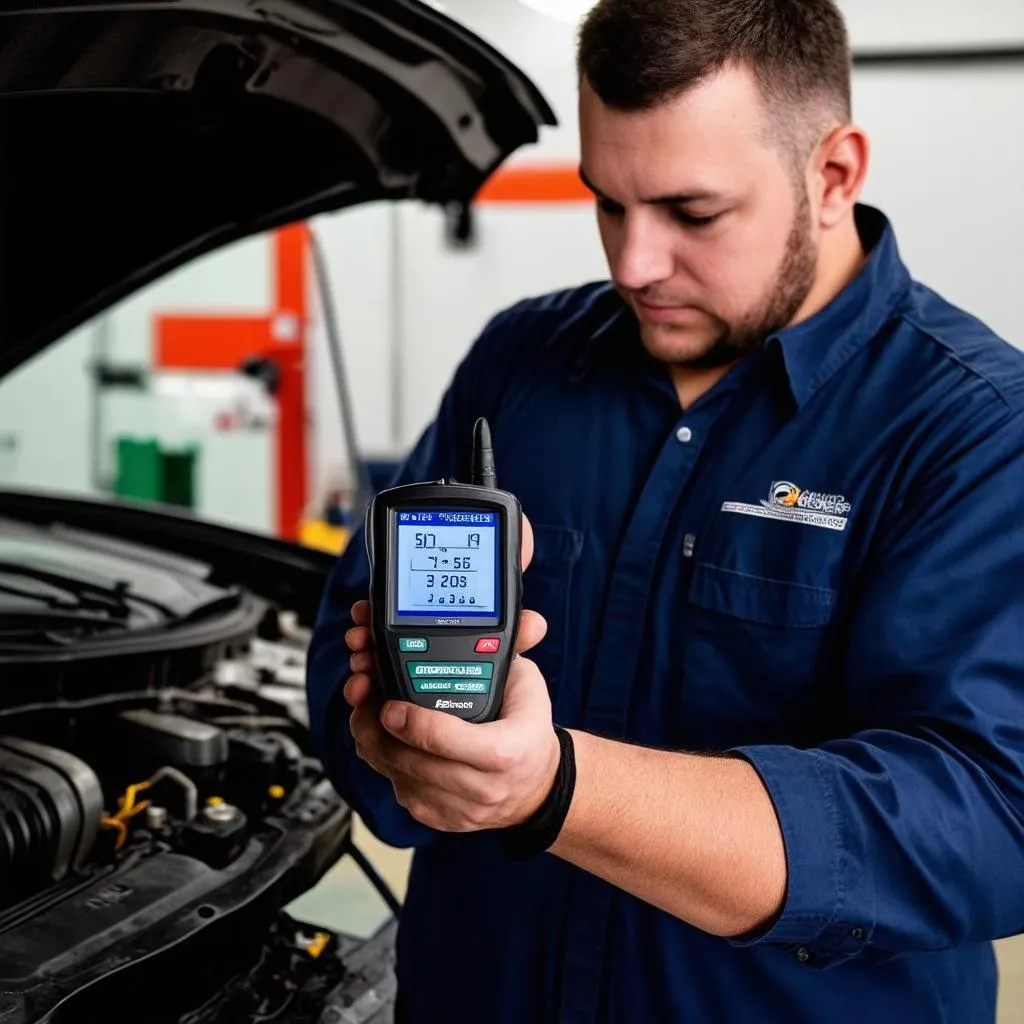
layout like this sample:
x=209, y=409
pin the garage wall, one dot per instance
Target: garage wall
x=883, y=23
x=948, y=156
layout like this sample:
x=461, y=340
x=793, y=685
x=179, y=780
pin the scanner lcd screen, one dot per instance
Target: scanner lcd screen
x=447, y=566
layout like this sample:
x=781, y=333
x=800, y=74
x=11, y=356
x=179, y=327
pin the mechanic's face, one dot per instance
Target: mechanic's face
x=708, y=236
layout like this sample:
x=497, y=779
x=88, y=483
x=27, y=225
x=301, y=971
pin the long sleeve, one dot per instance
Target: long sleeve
x=909, y=834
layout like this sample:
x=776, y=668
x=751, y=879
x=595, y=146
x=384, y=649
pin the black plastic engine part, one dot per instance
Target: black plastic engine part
x=51, y=804
x=217, y=835
x=368, y=993
x=171, y=739
x=261, y=770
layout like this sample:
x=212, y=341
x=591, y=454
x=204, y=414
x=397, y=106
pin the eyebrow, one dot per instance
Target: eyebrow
x=678, y=199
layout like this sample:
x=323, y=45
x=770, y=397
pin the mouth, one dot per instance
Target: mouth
x=664, y=314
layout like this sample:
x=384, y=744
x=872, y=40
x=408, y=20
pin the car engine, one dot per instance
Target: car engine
x=159, y=802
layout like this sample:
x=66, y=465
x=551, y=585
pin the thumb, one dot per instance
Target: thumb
x=532, y=629
x=526, y=551
x=526, y=692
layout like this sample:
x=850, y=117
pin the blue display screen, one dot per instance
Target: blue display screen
x=447, y=564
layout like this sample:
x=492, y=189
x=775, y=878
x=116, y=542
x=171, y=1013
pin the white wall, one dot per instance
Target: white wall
x=948, y=157
x=947, y=170
x=882, y=24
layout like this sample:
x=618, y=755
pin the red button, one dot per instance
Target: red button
x=488, y=646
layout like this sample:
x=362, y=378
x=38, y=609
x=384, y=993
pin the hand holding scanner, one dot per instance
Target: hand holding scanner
x=446, y=589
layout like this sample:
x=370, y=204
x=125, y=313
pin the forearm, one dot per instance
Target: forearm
x=695, y=836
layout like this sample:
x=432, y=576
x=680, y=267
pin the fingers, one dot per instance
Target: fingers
x=361, y=613
x=415, y=769
x=359, y=690
x=367, y=732
x=436, y=733
x=526, y=551
x=454, y=814
x=358, y=639
x=361, y=662
x=418, y=778
x=492, y=747
x=526, y=693
x=533, y=628
x=412, y=770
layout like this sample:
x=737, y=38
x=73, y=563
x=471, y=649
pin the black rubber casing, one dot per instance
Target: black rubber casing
x=447, y=644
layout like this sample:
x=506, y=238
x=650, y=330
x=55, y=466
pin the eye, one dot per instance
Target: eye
x=696, y=222
x=610, y=209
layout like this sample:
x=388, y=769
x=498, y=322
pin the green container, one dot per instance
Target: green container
x=179, y=477
x=139, y=470
x=148, y=472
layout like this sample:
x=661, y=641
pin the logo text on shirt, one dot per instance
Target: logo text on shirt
x=789, y=503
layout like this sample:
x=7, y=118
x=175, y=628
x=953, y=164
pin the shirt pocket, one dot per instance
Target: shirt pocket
x=547, y=588
x=754, y=652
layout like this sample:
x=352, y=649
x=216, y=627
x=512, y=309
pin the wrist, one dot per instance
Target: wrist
x=549, y=779
x=540, y=831
x=581, y=744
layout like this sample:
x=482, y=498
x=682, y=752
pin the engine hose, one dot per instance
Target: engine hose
x=191, y=793
x=291, y=749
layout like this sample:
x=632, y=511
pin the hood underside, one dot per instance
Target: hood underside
x=138, y=136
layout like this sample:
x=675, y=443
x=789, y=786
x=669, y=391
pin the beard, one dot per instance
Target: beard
x=792, y=284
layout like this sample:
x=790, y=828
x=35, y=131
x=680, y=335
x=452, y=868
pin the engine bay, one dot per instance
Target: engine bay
x=159, y=803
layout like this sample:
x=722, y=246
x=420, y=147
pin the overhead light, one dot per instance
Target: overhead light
x=570, y=11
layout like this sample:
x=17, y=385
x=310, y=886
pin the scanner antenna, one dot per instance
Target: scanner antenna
x=483, y=456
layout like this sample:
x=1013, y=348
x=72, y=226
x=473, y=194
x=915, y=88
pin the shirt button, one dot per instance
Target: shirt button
x=858, y=934
x=684, y=435
x=803, y=955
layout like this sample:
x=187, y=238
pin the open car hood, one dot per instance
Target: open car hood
x=137, y=136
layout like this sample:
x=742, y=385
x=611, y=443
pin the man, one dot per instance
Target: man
x=775, y=491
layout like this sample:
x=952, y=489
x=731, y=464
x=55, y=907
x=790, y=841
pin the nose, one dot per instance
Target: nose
x=643, y=256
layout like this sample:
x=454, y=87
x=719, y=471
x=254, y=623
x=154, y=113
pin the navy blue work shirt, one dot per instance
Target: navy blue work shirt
x=819, y=566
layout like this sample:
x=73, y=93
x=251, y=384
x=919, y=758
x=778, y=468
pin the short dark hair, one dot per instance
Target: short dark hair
x=636, y=54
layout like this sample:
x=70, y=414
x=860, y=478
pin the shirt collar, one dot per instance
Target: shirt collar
x=610, y=338
x=813, y=350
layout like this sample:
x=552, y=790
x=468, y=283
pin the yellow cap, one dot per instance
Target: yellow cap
x=276, y=792
x=215, y=801
x=319, y=944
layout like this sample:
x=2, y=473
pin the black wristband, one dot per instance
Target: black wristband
x=539, y=832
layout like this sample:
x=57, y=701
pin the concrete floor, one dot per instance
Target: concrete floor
x=1011, y=993
x=345, y=900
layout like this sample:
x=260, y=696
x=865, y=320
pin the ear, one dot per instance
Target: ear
x=840, y=170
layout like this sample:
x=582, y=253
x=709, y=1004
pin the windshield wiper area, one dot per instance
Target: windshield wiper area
x=68, y=610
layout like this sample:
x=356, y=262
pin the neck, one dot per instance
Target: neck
x=691, y=385
x=842, y=257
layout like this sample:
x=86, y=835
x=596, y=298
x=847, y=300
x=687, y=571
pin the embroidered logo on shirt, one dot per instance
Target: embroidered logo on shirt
x=788, y=503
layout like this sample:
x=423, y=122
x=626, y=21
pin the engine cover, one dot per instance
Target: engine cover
x=51, y=804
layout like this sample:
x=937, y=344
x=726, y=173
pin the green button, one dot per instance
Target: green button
x=451, y=669
x=472, y=687
x=450, y=686
x=417, y=644
x=434, y=685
